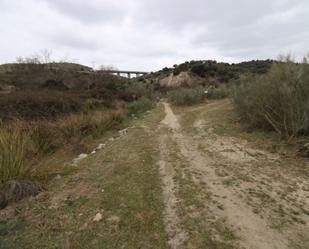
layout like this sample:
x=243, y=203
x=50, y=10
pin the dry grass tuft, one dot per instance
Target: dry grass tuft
x=12, y=153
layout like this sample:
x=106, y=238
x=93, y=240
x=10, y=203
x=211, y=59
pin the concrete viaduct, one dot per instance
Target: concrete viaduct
x=128, y=73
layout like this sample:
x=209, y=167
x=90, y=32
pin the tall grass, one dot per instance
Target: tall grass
x=23, y=144
x=12, y=154
x=278, y=101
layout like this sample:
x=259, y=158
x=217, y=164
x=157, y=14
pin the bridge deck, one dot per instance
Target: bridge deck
x=124, y=72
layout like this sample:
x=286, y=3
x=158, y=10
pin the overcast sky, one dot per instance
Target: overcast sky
x=151, y=34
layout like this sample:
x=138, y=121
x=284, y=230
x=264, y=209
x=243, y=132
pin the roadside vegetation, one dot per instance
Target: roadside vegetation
x=186, y=96
x=48, y=107
x=222, y=72
x=116, y=196
x=278, y=100
x=220, y=92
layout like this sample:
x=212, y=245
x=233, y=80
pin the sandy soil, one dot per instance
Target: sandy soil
x=211, y=160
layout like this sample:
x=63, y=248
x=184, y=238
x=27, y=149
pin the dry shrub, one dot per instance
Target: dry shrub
x=34, y=105
x=278, y=101
x=14, y=191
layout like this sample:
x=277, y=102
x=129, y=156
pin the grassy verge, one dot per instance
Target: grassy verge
x=24, y=144
x=121, y=182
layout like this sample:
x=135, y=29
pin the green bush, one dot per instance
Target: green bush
x=199, y=69
x=221, y=92
x=186, y=96
x=141, y=105
x=277, y=101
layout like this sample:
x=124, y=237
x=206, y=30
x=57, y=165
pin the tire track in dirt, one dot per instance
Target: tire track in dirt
x=177, y=236
x=253, y=231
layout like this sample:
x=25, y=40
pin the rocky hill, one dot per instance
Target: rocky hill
x=207, y=72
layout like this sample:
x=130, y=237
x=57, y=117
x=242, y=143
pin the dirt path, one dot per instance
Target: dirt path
x=252, y=230
x=180, y=178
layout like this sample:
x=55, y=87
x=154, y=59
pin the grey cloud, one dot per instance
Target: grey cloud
x=139, y=34
x=71, y=40
x=89, y=12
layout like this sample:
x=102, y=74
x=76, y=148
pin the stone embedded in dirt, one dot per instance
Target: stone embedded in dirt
x=82, y=156
x=98, y=217
x=100, y=146
x=111, y=139
x=123, y=132
x=79, y=158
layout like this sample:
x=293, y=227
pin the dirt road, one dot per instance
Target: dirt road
x=178, y=178
x=204, y=161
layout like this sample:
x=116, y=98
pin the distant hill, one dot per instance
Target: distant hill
x=56, y=65
x=207, y=72
x=60, y=76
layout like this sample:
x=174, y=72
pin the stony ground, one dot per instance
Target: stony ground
x=177, y=178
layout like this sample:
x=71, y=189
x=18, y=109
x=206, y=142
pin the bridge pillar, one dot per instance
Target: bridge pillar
x=129, y=75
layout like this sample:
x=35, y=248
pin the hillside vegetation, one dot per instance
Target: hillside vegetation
x=48, y=107
x=278, y=100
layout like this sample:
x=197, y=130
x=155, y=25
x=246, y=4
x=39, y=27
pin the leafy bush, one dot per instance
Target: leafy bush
x=141, y=105
x=186, y=96
x=221, y=92
x=278, y=101
x=199, y=69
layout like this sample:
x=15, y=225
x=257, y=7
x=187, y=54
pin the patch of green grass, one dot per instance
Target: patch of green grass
x=77, y=203
x=131, y=203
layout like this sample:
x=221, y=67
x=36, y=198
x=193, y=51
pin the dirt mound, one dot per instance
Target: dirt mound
x=182, y=79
